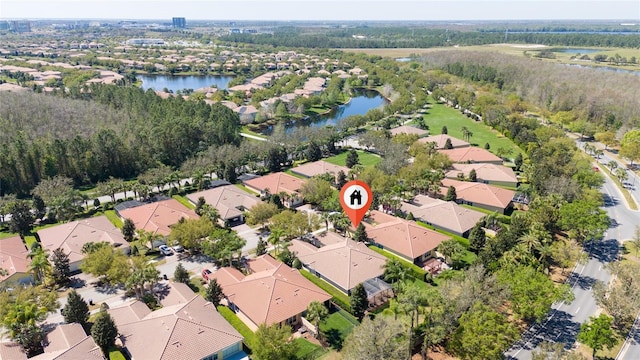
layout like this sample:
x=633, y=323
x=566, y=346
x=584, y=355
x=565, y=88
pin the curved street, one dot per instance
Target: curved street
x=564, y=320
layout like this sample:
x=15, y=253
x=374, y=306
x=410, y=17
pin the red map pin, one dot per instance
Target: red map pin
x=355, y=198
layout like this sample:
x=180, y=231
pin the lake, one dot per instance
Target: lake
x=577, y=51
x=360, y=104
x=181, y=82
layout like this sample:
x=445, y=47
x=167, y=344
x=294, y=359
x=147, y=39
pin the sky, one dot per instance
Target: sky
x=330, y=10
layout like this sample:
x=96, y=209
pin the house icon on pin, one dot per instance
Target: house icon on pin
x=356, y=196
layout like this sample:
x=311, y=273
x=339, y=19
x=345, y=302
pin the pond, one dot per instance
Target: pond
x=577, y=51
x=360, y=104
x=181, y=82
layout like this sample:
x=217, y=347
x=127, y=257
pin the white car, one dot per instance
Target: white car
x=177, y=248
x=165, y=250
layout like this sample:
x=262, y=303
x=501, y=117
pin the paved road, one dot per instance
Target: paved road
x=564, y=320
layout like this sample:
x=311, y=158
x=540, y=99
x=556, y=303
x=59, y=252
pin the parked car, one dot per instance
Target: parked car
x=177, y=248
x=205, y=274
x=165, y=250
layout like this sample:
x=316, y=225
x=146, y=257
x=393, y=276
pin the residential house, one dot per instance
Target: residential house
x=72, y=236
x=484, y=196
x=319, y=167
x=14, y=260
x=157, y=217
x=485, y=173
x=247, y=113
x=11, y=351
x=188, y=327
x=69, y=342
x=273, y=294
x=471, y=154
x=441, y=140
x=344, y=264
x=443, y=215
x=408, y=130
x=230, y=201
x=278, y=183
x=404, y=238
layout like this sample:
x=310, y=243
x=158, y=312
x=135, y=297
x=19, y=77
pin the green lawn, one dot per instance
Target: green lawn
x=308, y=350
x=237, y=324
x=440, y=115
x=113, y=217
x=30, y=240
x=341, y=297
x=184, y=201
x=4, y=235
x=336, y=328
x=366, y=158
x=115, y=354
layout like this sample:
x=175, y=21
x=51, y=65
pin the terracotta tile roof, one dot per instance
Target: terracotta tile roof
x=318, y=168
x=405, y=129
x=229, y=200
x=441, y=140
x=72, y=236
x=470, y=154
x=191, y=330
x=402, y=236
x=13, y=256
x=276, y=183
x=479, y=193
x=157, y=217
x=135, y=311
x=271, y=296
x=11, y=351
x=346, y=264
x=262, y=263
x=484, y=172
x=69, y=342
x=179, y=293
x=443, y=214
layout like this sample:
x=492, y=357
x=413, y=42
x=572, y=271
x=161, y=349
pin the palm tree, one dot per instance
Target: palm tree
x=317, y=312
x=325, y=216
x=395, y=271
x=275, y=236
x=612, y=165
x=466, y=134
x=40, y=265
x=621, y=174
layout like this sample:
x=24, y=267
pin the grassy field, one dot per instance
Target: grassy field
x=4, y=235
x=335, y=329
x=366, y=159
x=515, y=50
x=440, y=115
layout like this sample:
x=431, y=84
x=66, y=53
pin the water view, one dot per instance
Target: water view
x=181, y=82
x=577, y=51
x=360, y=104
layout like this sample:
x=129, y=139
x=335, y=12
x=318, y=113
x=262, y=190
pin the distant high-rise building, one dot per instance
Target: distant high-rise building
x=179, y=22
x=20, y=26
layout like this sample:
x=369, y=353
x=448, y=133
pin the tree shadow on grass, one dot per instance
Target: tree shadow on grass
x=333, y=338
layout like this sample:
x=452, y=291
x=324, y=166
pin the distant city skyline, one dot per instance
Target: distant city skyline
x=330, y=10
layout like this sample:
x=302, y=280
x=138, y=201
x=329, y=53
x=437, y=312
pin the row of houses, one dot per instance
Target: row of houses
x=186, y=327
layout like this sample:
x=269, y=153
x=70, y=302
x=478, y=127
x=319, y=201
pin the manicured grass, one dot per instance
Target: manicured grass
x=366, y=158
x=4, y=235
x=342, y=298
x=196, y=285
x=335, y=329
x=440, y=115
x=295, y=175
x=237, y=324
x=29, y=240
x=245, y=129
x=113, y=217
x=184, y=201
x=308, y=350
x=115, y=354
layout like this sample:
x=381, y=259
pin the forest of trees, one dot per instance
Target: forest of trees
x=109, y=131
x=420, y=37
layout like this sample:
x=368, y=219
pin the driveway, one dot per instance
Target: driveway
x=193, y=264
x=250, y=235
